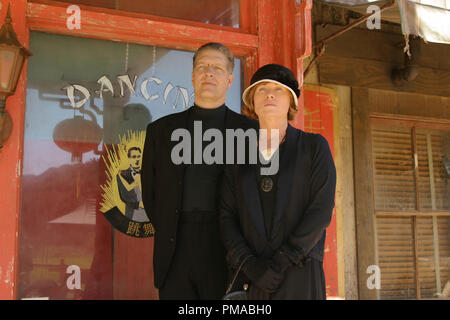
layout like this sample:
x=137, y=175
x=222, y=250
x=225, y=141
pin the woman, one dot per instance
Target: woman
x=275, y=224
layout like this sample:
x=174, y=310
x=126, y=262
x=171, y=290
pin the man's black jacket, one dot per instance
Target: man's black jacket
x=162, y=183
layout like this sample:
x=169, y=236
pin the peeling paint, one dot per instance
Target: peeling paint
x=18, y=168
x=9, y=272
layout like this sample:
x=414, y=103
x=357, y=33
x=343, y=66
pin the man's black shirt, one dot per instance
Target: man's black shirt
x=201, y=181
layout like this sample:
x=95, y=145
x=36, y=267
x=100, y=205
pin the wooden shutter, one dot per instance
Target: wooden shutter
x=411, y=194
x=444, y=250
x=395, y=244
x=394, y=170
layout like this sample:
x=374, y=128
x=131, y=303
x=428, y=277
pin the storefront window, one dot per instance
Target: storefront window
x=219, y=12
x=88, y=103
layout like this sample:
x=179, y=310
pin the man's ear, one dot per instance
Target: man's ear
x=230, y=80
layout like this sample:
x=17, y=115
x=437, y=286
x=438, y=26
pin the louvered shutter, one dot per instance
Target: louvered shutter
x=412, y=241
x=394, y=170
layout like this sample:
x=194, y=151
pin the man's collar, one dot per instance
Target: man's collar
x=218, y=107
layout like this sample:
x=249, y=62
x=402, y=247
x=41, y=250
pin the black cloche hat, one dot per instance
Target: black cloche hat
x=277, y=74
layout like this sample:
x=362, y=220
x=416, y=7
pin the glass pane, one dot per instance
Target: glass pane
x=7, y=61
x=433, y=256
x=395, y=245
x=351, y=2
x=219, y=12
x=393, y=168
x=426, y=262
x=444, y=253
x=433, y=148
x=88, y=103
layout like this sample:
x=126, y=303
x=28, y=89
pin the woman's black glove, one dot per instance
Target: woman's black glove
x=262, y=275
x=281, y=262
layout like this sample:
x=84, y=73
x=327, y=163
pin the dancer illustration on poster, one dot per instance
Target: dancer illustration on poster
x=129, y=184
x=122, y=194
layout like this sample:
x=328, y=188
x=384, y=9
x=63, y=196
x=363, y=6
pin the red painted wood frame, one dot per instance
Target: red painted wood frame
x=320, y=117
x=270, y=31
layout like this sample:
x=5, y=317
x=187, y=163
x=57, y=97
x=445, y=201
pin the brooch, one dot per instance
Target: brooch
x=266, y=184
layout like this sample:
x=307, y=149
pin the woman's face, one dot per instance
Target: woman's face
x=271, y=100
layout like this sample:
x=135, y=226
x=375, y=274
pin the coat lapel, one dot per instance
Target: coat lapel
x=180, y=120
x=250, y=188
x=234, y=120
x=251, y=192
x=285, y=177
x=251, y=195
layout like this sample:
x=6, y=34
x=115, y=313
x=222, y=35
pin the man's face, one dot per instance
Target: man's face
x=211, y=77
x=135, y=159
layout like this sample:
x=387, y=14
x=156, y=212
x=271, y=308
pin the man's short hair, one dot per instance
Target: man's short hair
x=219, y=47
x=133, y=148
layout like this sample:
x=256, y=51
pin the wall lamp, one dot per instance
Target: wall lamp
x=12, y=58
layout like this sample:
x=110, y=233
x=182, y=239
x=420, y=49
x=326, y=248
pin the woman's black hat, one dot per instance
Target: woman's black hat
x=275, y=73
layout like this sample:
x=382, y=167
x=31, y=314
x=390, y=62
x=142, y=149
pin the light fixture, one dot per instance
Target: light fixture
x=12, y=58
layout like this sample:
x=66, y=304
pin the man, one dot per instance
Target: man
x=181, y=200
x=129, y=184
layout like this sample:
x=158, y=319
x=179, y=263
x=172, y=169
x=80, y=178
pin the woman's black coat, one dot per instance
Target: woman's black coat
x=303, y=209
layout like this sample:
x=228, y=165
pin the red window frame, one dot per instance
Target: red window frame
x=270, y=31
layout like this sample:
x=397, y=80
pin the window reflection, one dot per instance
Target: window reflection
x=219, y=12
x=83, y=97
